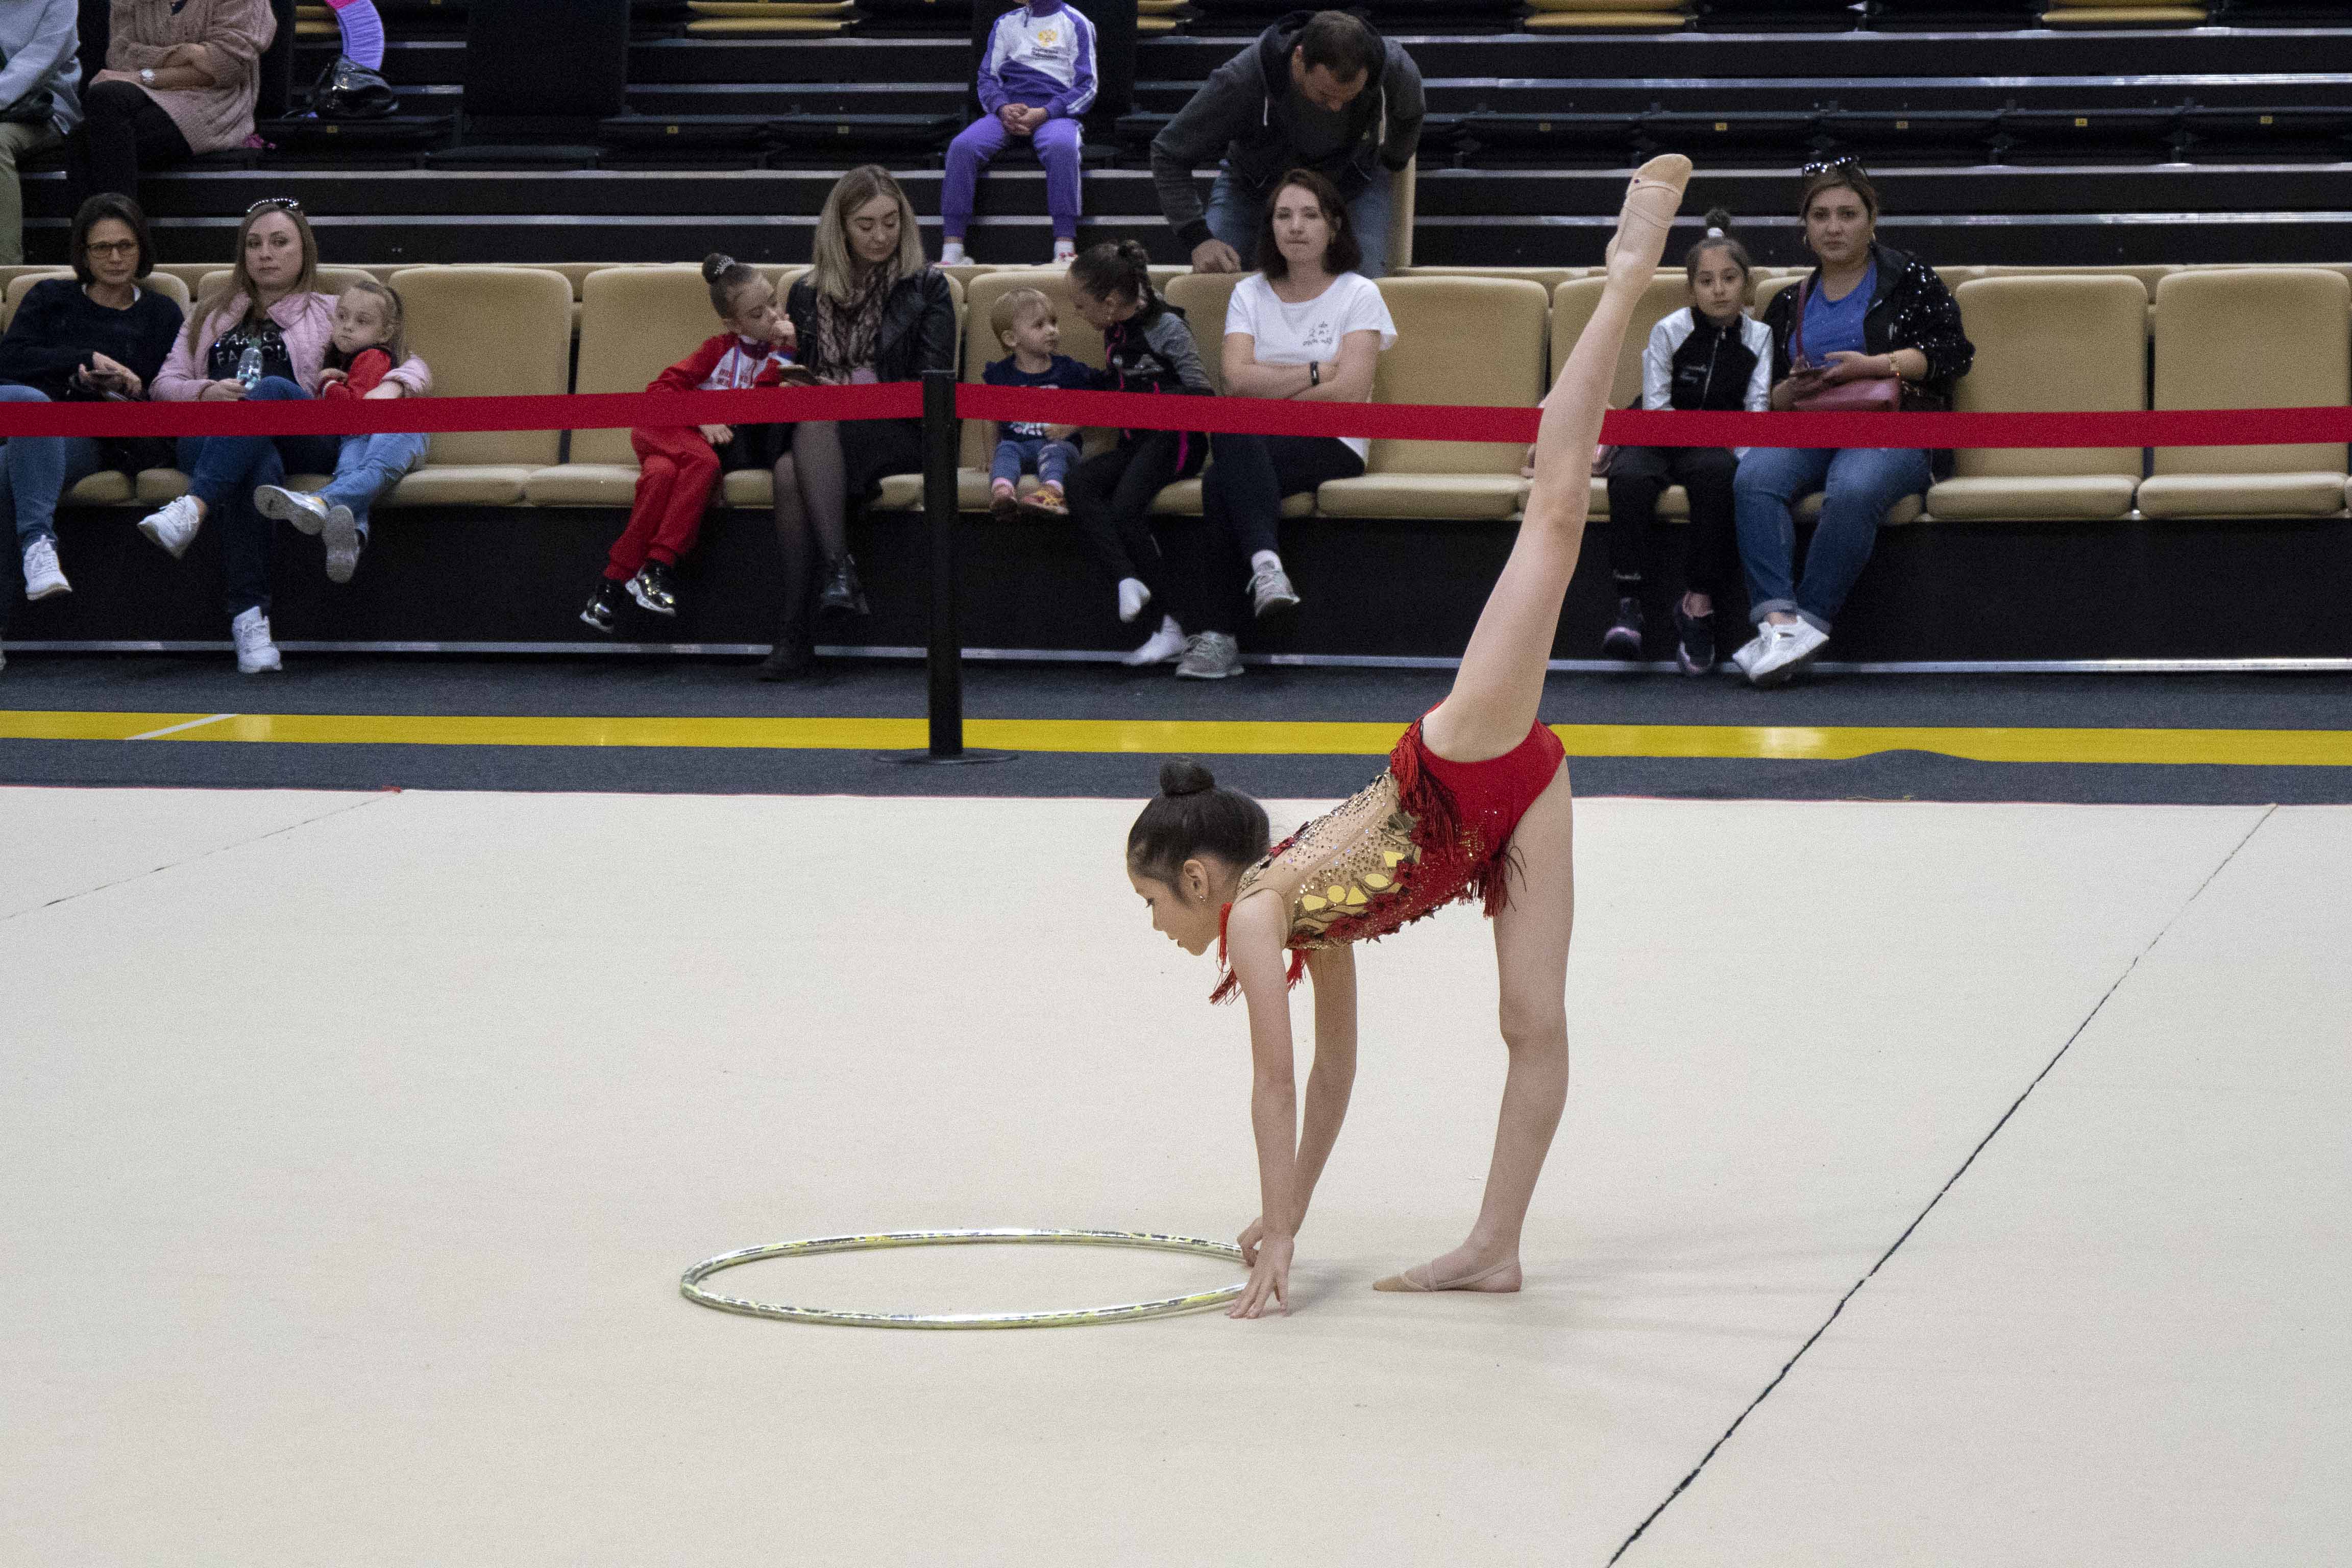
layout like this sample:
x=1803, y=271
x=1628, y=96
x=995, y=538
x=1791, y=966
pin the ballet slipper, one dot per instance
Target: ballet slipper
x=1647, y=216
x=1502, y=1277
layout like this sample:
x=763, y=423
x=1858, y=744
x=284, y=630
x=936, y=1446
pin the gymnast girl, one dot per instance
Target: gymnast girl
x=1475, y=805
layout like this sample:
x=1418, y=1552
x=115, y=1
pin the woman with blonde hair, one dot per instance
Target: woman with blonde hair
x=263, y=335
x=870, y=309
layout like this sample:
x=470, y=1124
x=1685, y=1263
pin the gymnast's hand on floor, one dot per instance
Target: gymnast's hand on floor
x=1269, y=1279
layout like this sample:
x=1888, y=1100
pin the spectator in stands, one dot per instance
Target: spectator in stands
x=1025, y=322
x=679, y=465
x=870, y=309
x=1147, y=348
x=371, y=338
x=1324, y=93
x=1871, y=327
x=39, y=68
x=1035, y=79
x=263, y=335
x=1306, y=325
x=181, y=78
x=1710, y=354
x=96, y=336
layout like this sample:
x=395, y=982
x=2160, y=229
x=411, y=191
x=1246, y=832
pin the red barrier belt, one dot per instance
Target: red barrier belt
x=1640, y=427
x=1272, y=416
x=433, y=416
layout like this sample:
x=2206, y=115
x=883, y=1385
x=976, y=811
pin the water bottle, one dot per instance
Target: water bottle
x=248, y=367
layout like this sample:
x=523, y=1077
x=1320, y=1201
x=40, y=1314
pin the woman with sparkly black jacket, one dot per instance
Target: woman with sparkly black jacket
x=1868, y=314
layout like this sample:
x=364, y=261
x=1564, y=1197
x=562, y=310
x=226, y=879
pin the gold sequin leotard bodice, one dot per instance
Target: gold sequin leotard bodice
x=1352, y=861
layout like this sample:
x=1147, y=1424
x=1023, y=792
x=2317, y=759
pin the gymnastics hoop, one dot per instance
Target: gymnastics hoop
x=691, y=1285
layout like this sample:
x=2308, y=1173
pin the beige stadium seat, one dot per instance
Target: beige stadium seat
x=1460, y=341
x=1404, y=209
x=2100, y=14
x=485, y=331
x=1548, y=278
x=1571, y=306
x=2049, y=344
x=2250, y=338
x=22, y=279
x=1604, y=15
x=635, y=323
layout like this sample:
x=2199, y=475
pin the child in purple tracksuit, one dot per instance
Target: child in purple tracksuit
x=1035, y=78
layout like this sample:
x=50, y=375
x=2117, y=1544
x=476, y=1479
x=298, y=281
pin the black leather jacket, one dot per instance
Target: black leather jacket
x=1909, y=308
x=918, y=324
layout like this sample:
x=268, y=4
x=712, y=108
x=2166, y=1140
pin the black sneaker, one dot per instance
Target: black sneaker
x=1624, y=640
x=1694, y=641
x=604, y=606
x=654, y=588
x=843, y=594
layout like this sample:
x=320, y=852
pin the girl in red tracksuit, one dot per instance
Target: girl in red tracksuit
x=679, y=465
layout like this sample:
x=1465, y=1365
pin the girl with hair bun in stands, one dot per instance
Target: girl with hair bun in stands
x=679, y=465
x=1475, y=806
x=1710, y=354
x=1146, y=347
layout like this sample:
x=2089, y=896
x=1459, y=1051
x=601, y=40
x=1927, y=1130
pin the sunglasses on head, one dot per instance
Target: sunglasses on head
x=1833, y=166
x=283, y=203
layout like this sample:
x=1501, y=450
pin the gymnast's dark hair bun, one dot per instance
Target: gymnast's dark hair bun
x=726, y=275
x=717, y=262
x=1191, y=819
x=1182, y=775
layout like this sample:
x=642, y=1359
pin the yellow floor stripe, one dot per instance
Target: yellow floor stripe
x=2273, y=748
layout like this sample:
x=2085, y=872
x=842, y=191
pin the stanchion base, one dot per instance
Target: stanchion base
x=965, y=756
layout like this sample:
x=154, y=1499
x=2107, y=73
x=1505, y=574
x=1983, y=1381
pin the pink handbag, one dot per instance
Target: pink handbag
x=1865, y=394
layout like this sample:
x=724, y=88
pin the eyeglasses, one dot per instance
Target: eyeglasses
x=283, y=203
x=112, y=247
x=1833, y=166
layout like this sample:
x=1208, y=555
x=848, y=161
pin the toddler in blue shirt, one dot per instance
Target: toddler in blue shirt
x=1025, y=323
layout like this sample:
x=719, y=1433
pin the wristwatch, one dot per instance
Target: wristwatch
x=1314, y=373
x=146, y=76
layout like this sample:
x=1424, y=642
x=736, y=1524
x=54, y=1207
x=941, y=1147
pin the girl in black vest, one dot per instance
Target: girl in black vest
x=1710, y=354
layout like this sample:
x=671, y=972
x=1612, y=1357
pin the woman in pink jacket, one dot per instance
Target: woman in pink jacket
x=263, y=335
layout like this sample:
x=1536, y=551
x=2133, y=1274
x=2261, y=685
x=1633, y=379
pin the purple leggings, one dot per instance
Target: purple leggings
x=1057, y=148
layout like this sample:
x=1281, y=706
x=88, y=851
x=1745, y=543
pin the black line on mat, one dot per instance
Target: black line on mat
x=176, y=865
x=2104, y=997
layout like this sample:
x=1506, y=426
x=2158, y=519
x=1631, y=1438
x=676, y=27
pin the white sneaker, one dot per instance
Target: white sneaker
x=951, y=253
x=42, y=575
x=1746, y=655
x=255, y=652
x=1789, y=651
x=1132, y=596
x=174, y=526
x=1210, y=656
x=1160, y=648
x=1270, y=590
x=308, y=514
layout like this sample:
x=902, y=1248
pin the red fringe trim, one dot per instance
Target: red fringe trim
x=1230, y=985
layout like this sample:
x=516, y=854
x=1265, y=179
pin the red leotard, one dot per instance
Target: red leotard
x=1425, y=833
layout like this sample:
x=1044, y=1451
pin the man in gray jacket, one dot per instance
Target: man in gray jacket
x=1319, y=90
x=39, y=71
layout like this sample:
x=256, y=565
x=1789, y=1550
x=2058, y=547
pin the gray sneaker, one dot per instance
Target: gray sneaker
x=1210, y=656
x=1270, y=591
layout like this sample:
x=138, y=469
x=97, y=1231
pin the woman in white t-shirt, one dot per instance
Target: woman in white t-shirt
x=1304, y=326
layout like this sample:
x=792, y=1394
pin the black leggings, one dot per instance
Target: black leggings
x=122, y=131
x=1111, y=495
x=1638, y=476
x=1242, y=492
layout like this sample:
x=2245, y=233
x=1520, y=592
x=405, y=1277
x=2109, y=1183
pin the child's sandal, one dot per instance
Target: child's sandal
x=1044, y=503
x=1005, y=506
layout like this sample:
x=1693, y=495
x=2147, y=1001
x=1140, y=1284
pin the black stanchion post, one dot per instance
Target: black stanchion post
x=942, y=516
x=940, y=438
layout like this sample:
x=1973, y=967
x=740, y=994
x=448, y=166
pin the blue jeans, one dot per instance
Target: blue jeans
x=1860, y=483
x=367, y=467
x=36, y=470
x=225, y=470
x=1051, y=461
x=1236, y=215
